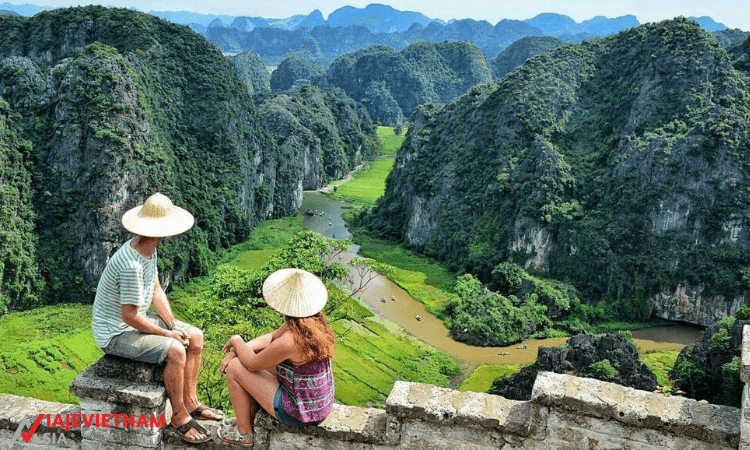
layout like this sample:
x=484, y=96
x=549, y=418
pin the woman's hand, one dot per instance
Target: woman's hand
x=233, y=342
x=225, y=362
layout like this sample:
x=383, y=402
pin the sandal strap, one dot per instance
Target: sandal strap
x=199, y=411
x=231, y=432
x=197, y=426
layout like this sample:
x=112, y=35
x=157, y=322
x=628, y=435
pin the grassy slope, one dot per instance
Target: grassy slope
x=482, y=377
x=42, y=350
x=661, y=363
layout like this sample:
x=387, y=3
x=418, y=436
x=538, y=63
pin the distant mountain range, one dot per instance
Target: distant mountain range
x=348, y=29
x=380, y=19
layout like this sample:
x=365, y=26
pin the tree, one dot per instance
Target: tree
x=366, y=270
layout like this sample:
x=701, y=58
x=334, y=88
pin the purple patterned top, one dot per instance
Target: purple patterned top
x=307, y=393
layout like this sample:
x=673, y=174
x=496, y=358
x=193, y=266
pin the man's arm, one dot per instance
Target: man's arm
x=161, y=304
x=131, y=317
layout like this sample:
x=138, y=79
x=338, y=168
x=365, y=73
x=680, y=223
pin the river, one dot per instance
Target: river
x=403, y=309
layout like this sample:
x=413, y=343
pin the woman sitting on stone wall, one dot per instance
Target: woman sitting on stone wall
x=288, y=372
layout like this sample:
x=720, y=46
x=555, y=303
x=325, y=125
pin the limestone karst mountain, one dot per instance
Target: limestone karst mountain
x=110, y=105
x=620, y=165
x=421, y=73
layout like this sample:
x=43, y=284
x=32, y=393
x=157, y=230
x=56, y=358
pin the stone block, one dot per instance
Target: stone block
x=92, y=406
x=418, y=434
x=112, y=390
x=426, y=402
x=15, y=409
x=745, y=420
x=110, y=366
x=715, y=424
x=143, y=437
x=344, y=423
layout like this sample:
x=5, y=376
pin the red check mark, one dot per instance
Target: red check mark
x=26, y=435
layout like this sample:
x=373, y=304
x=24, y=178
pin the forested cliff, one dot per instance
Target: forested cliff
x=620, y=165
x=393, y=84
x=106, y=106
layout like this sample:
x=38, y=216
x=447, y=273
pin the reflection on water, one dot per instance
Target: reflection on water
x=326, y=218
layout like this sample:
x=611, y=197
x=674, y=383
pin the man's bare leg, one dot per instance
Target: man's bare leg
x=192, y=369
x=174, y=374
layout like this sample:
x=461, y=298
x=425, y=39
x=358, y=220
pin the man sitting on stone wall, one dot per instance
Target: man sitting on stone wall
x=128, y=286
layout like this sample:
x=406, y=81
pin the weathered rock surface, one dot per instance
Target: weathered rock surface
x=576, y=357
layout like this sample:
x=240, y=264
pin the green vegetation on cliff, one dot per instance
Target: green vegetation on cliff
x=422, y=72
x=518, y=52
x=20, y=281
x=320, y=135
x=252, y=72
x=114, y=105
x=300, y=68
x=710, y=368
x=617, y=165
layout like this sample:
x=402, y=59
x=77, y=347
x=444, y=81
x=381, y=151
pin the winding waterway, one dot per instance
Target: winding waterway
x=326, y=218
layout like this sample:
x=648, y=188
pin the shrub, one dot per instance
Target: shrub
x=603, y=370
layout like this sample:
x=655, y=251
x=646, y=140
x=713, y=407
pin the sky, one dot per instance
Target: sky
x=732, y=13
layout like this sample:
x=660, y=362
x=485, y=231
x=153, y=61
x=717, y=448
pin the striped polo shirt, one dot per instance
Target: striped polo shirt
x=127, y=279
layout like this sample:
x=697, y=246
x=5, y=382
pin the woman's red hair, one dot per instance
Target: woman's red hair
x=313, y=336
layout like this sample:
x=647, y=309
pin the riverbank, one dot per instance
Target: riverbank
x=417, y=278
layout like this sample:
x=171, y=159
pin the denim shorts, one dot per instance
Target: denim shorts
x=283, y=416
x=149, y=348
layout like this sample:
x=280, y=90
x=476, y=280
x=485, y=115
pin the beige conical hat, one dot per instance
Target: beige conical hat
x=157, y=217
x=295, y=292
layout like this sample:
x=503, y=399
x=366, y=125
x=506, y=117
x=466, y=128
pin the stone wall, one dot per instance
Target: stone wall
x=565, y=412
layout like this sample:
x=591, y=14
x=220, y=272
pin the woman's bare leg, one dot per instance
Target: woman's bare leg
x=247, y=390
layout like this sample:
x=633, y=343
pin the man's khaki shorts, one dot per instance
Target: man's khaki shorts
x=150, y=348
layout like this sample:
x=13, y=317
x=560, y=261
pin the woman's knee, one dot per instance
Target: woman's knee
x=235, y=367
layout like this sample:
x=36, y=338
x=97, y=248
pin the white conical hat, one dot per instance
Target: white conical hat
x=157, y=217
x=295, y=292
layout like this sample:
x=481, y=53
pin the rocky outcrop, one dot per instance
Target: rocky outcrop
x=710, y=368
x=252, y=72
x=577, y=358
x=519, y=51
x=616, y=164
x=694, y=304
x=321, y=136
x=302, y=68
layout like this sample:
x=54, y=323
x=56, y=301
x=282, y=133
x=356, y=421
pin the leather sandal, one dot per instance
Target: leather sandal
x=183, y=429
x=198, y=413
x=230, y=434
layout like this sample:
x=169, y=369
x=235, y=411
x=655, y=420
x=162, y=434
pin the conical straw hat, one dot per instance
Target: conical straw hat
x=157, y=217
x=295, y=292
